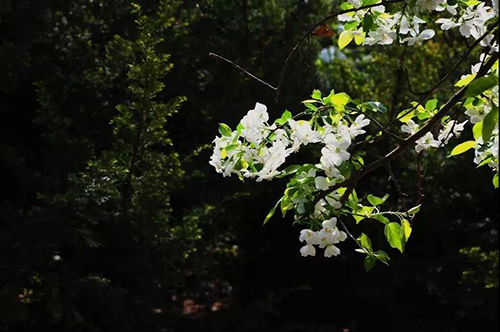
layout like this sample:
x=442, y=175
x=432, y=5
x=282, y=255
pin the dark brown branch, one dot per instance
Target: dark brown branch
x=399, y=150
x=427, y=93
x=401, y=195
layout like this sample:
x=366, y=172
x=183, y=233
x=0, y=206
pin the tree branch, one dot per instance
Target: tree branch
x=297, y=46
x=428, y=92
x=399, y=150
x=235, y=65
x=312, y=28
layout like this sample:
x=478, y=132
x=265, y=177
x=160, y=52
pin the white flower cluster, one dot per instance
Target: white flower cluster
x=326, y=238
x=257, y=149
x=471, y=23
x=486, y=153
x=451, y=129
x=231, y=155
x=404, y=26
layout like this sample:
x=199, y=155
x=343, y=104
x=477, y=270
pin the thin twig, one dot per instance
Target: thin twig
x=304, y=59
x=385, y=130
x=400, y=149
x=235, y=65
x=311, y=29
x=427, y=93
x=401, y=194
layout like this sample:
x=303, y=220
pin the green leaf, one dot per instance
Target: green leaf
x=369, y=263
x=311, y=107
x=471, y=3
x=485, y=161
x=289, y=170
x=316, y=95
x=271, y=213
x=370, y=2
x=339, y=100
x=406, y=116
x=374, y=106
x=224, y=129
x=480, y=85
x=466, y=80
x=406, y=228
x=363, y=212
x=359, y=38
x=495, y=180
x=382, y=219
x=365, y=241
x=351, y=25
x=489, y=124
x=477, y=130
x=423, y=115
x=462, y=147
x=431, y=105
x=239, y=128
x=382, y=256
x=285, y=205
x=284, y=118
x=367, y=23
x=395, y=236
x=346, y=5
x=345, y=38
x=374, y=200
x=415, y=209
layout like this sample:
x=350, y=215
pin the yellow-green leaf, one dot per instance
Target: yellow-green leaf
x=345, y=38
x=271, y=213
x=462, y=147
x=466, y=80
x=340, y=100
x=404, y=116
x=407, y=229
x=477, y=130
x=395, y=235
x=359, y=38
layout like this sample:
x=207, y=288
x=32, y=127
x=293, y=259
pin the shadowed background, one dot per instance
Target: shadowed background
x=192, y=255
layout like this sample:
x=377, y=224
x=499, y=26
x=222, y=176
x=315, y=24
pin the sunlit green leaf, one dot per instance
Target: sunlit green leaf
x=224, y=129
x=480, y=85
x=489, y=123
x=395, y=235
x=374, y=200
x=345, y=38
x=271, y=213
x=462, y=147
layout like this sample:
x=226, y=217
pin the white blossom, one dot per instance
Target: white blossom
x=308, y=250
x=425, y=35
x=332, y=250
x=322, y=183
x=452, y=128
x=356, y=127
x=254, y=124
x=309, y=237
x=410, y=127
x=426, y=143
x=335, y=150
x=275, y=157
x=302, y=134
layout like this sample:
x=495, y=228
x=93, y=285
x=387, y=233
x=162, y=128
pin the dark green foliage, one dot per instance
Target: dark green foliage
x=102, y=169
